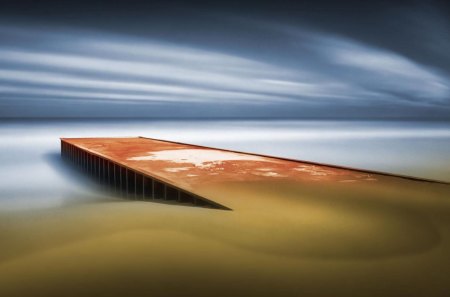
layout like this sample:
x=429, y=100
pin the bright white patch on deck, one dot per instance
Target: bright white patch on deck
x=267, y=173
x=200, y=158
x=177, y=169
x=314, y=170
x=270, y=174
x=264, y=169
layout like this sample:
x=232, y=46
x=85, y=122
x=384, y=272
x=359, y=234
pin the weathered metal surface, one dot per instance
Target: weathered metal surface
x=184, y=169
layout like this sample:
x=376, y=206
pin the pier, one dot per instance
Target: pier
x=127, y=182
x=148, y=169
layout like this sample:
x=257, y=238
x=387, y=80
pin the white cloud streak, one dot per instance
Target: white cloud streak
x=88, y=65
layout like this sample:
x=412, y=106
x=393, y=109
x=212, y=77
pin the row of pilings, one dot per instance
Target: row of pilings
x=128, y=183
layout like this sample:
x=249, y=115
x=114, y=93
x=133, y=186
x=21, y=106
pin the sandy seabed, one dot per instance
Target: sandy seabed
x=379, y=239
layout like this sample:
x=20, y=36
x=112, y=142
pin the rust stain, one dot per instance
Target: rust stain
x=193, y=167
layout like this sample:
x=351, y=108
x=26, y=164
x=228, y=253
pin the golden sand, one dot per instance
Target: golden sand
x=381, y=239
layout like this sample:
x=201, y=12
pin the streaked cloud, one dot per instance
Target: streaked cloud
x=383, y=70
x=327, y=71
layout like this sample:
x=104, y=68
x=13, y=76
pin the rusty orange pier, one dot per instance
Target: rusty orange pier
x=105, y=160
x=152, y=169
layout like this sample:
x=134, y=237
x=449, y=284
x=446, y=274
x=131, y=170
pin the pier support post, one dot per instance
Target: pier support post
x=103, y=171
x=143, y=187
x=120, y=181
x=126, y=182
x=153, y=189
x=114, y=178
x=135, y=186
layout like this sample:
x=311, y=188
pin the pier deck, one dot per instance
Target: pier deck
x=148, y=169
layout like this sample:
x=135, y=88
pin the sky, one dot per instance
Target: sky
x=214, y=59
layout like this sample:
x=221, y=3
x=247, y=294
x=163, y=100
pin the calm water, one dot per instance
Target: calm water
x=32, y=176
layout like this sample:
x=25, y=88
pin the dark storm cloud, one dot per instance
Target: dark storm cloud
x=173, y=59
